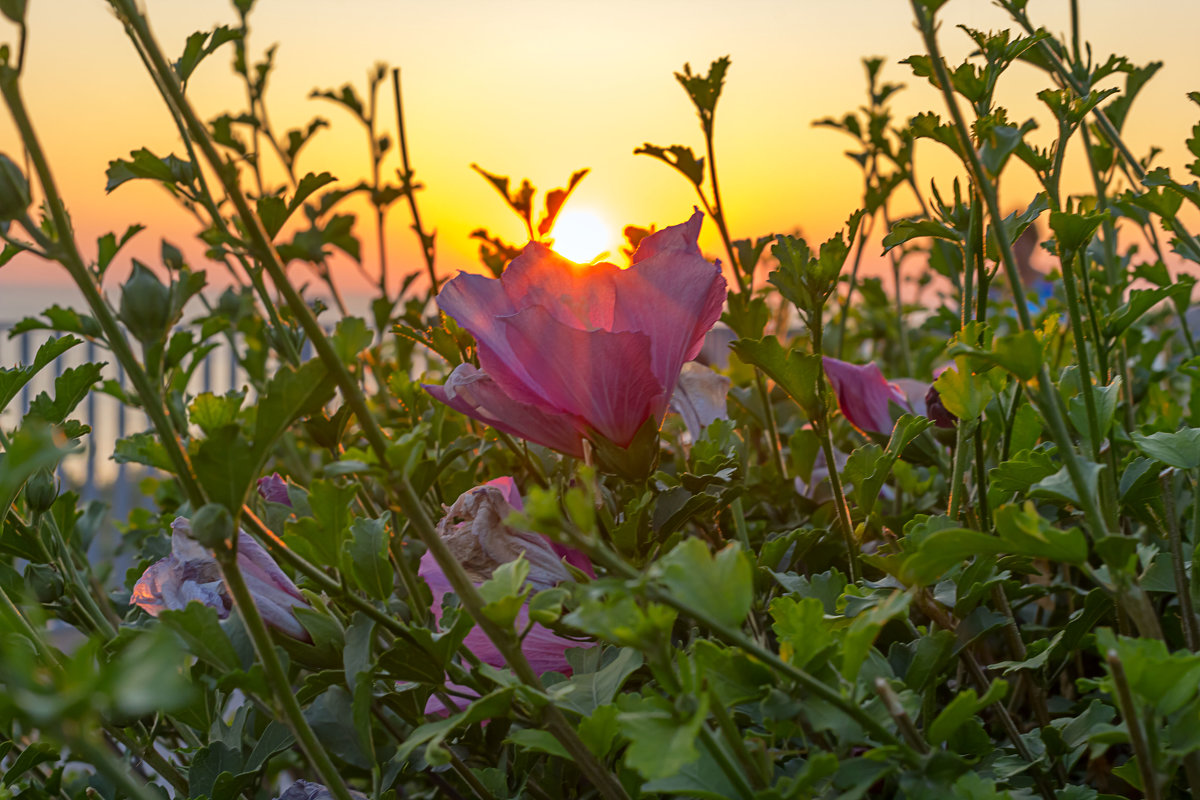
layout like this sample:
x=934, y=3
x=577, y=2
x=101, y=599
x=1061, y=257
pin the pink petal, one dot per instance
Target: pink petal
x=682, y=239
x=581, y=296
x=508, y=487
x=575, y=558
x=863, y=394
x=671, y=294
x=474, y=393
x=600, y=377
x=273, y=489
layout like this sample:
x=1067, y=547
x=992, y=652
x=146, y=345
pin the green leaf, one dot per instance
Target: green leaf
x=210, y=411
x=505, y=591
x=200, y=628
x=660, y=743
x=12, y=380
x=964, y=393
x=367, y=555
x=538, y=741
x=143, y=448
x=1180, y=449
x=797, y=373
x=1059, y=486
x=722, y=586
x=906, y=230
x=678, y=156
x=801, y=628
x=199, y=46
x=965, y=705
x=145, y=165
x=597, y=676
x=70, y=388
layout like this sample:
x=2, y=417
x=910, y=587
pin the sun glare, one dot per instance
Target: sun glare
x=582, y=236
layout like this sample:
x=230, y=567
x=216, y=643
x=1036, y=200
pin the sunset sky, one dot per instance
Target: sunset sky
x=539, y=89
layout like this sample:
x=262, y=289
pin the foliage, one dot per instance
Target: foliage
x=993, y=599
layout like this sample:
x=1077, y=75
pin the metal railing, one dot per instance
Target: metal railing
x=91, y=472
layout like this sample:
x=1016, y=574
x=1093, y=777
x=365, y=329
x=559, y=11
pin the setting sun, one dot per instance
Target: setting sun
x=583, y=236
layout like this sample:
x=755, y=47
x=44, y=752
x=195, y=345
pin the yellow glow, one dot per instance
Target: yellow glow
x=582, y=236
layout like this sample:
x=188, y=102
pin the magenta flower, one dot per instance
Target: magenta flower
x=863, y=395
x=273, y=489
x=474, y=530
x=569, y=352
x=191, y=573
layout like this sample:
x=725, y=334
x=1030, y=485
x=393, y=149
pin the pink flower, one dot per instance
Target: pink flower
x=863, y=395
x=569, y=352
x=273, y=489
x=191, y=573
x=474, y=530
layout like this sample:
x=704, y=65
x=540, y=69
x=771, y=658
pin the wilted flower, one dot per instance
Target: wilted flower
x=570, y=352
x=474, y=530
x=863, y=395
x=191, y=572
x=700, y=397
x=273, y=489
x=303, y=790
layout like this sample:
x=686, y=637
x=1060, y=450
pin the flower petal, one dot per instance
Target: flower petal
x=473, y=392
x=863, y=394
x=508, y=487
x=700, y=397
x=581, y=296
x=671, y=294
x=600, y=377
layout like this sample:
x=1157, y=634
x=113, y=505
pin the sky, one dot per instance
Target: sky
x=539, y=89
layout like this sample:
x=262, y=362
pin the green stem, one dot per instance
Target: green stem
x=1081, y=356
x=408, y=502
x=1044, y=392
x=730, y=770
x=1137, y=734
x=1187, y=613
x=69, y=257
x=895, y=708
x=958, y=483
x=276, y=678
x=732, y=735
x=425, y=239
x=864, y=232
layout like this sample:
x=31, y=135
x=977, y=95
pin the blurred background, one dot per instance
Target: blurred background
x=539, y=89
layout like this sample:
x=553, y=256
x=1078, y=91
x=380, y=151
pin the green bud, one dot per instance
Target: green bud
x=44, y=581
x=145, y=305
x=212, y=526
x=41, y=490
x=14, y=190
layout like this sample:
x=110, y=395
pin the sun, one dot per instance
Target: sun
x=582, y=236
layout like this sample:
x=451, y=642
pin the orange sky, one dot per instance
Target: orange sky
x=539, y=89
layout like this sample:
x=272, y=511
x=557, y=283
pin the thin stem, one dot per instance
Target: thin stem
x=892, y=703
x=864, y=234
x=729, y=730
x=1187, y=613
x=1081, y=355
x=1137, y=734
x=425, y=239
x=730, y=770
x=1048, y=404
x=69, y=256
x=408, y=502
x=276, y=678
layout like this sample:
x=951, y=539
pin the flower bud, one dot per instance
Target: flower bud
x=145, y=305
x=44, y=581
x=41, y=490
x=212, y=526
x=937, y=411
x=14, y=190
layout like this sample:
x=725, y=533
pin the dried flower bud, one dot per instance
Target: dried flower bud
x=191, y=573
x=474, y=530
